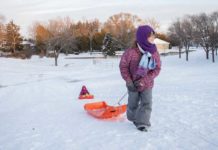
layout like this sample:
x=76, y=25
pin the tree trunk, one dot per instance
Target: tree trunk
x=186, y=51
x=180, y=56
x=43, y=53
x=14, y=47
x=207, y=54
x=56, y=61
x=90, y=44
x=56, y=57
x=213, y=56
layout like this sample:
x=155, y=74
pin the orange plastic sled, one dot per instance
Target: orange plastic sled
x=103, y=111
x=86, y=97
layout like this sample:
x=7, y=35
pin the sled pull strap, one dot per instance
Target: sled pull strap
x=122, y=98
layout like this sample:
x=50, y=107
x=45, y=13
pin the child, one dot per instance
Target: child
x=84, y=91
x=139, y=67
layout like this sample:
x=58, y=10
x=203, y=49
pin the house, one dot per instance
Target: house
x=27, y=45
x=162, y=45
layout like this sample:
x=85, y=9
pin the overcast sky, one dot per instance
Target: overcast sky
x=25, y=12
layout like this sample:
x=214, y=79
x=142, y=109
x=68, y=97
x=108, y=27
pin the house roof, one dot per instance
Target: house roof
x=159, y=41
x=27, y=43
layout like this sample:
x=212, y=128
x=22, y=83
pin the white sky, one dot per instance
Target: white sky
x=25, y=12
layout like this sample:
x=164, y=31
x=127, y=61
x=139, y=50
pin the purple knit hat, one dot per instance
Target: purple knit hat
x=142, y=34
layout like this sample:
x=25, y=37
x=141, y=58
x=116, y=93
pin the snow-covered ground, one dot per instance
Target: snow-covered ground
x=40, y=110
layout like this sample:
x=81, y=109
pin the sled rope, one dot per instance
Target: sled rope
x=122, y=98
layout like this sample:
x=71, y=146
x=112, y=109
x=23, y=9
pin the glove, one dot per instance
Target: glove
x=130, y=86
x=138, y=83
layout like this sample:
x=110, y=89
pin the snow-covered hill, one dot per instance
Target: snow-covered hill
x=40, y=110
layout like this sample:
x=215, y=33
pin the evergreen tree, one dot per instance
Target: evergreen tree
x=108, y=45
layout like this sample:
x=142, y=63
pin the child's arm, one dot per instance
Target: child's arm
x=124, y=67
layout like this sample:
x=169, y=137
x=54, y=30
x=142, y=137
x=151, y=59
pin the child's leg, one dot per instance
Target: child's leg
x=143, y=112
x=132, y=106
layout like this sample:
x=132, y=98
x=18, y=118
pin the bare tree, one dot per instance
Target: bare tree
x=176, y=34
x=199, y=29
x=153, y=23
x=40, y=34
x=57, y=35
x=69, y=41
x=93, y=27
x=187, y=32
x=206, y=32
x=201, y=26
x=213, y=38
x=122, y=26
x=61, y=37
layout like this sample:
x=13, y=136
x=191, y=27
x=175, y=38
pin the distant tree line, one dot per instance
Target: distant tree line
x=66, y=36
x=63, y=35
x=199, y=30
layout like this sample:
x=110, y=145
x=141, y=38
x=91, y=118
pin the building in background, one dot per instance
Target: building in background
x=162, y=45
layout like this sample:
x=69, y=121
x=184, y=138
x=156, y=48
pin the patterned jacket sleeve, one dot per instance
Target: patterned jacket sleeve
x=154, y=73
x=124, y=66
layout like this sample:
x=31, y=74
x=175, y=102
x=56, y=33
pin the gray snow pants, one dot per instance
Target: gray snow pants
x=139, y=107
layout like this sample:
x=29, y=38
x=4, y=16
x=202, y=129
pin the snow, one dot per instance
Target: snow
x=175, y=50
x=40, y=110
x=86, y=55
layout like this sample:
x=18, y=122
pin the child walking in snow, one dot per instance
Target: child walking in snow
x=139, y=66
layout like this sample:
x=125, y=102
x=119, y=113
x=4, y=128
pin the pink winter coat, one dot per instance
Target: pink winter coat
x=129, y=64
